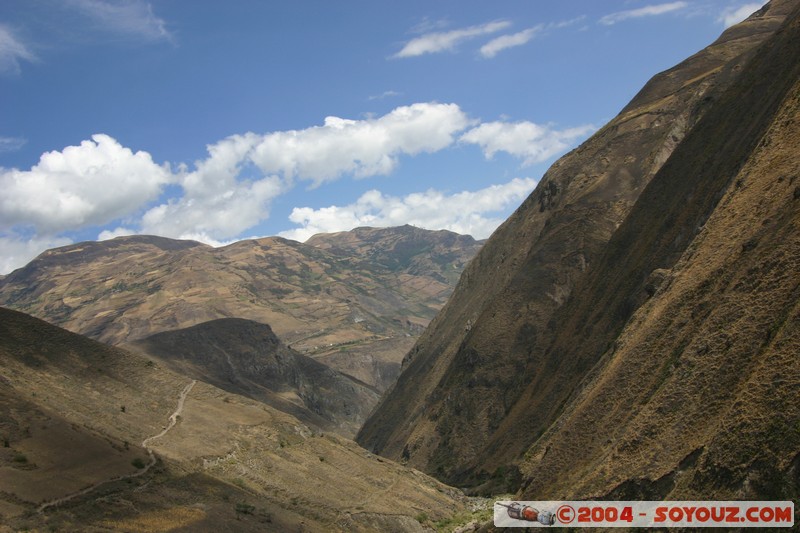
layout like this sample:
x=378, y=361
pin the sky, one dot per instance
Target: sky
x=220, y=121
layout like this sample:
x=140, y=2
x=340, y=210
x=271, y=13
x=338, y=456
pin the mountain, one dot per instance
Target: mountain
x=246, y=358
x=96, y=438
x=631, y=331
x=321, y=299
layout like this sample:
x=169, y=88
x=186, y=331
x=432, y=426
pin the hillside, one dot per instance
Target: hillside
x=80, y=421
x=697, y=393
x=246, y=358
x=321, y=302
x=530, y=377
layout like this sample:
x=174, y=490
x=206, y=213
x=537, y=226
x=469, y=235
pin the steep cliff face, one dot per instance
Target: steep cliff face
x=498, y=365
x=697, y=391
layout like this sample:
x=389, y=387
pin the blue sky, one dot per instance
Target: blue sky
x=219, y=121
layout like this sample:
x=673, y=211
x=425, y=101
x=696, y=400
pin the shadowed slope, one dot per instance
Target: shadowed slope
x=497, y=365
x=245, y=357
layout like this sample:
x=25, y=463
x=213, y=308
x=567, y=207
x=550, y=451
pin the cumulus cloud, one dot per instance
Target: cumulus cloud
x=476, y=213
x=90, y=184
x=359, y=147
x=106, y=235
x=100, y=182
x=533, y=143
x=132, y=18
x=435, y=42
x=222, y=197
x=12, y=52
x=735, y=15
x=17, y=251
x=646, y=11
x=232, y=189
x=224, y=210
x=493, y=47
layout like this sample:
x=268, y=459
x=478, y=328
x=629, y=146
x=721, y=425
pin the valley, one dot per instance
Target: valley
x=79, y=409
x=631, y=332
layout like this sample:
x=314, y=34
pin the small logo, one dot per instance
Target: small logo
x=517, y=511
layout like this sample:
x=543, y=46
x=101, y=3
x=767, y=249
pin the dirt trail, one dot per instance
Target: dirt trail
x=173, y=419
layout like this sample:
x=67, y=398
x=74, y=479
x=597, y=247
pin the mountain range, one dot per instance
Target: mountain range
x=369, y=291
x=631, y=332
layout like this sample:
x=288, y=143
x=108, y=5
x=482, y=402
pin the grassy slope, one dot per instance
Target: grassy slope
x=224, y=450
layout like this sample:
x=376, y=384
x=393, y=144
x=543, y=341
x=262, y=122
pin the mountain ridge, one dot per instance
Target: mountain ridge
x=317, y=301
x=472, y=396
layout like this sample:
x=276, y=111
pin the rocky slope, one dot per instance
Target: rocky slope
x=246, y=358
x=538, y=320
x=324, y=298
x=79, y=419
x=696, y=395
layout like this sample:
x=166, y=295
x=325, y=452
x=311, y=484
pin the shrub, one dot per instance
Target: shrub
x=244, y=508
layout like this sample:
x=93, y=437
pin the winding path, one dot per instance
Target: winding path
x=173, y=419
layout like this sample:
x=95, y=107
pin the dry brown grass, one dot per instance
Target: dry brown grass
x=225, y=450
x=157, y=521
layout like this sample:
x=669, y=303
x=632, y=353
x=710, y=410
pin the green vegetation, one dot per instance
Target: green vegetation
x=244, y=508
x=138, y=463
x=480, y=514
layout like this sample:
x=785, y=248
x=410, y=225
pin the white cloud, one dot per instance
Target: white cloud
x=493, y=47
x=233, y=188
x=18, y=251
x=385, y=94
x=80, y=186
x=219, y=198
x=476, y=213
x=12, y=52
x=230, y=191
x=106, y=235
x=359, y=147
x=734, y=15
x=431, y=43
x=223, y=210
x=533, y=143
x=426, y=25
x=11, y=144
x=647, y=11
x=133, y=18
